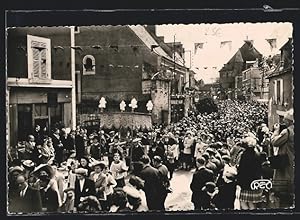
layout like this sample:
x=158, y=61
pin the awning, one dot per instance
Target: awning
x=128, y=120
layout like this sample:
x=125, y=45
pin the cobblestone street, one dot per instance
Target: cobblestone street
x=180, y=199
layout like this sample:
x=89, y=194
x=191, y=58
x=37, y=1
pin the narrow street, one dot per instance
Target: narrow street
x=180, y=199
x=93, y=112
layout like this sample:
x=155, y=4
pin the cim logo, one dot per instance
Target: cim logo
x=261, y=184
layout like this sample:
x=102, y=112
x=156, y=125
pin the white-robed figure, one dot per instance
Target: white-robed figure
x=122, y=106
x=135, y=195
x=133, y=104
x=102, y=104
x=149, y=106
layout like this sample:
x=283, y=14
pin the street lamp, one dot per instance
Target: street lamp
x=102, y=104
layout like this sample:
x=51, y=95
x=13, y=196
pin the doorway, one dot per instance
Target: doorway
x=24, y=121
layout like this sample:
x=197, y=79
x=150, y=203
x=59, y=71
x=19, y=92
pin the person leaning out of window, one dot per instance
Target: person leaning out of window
x=283, y=144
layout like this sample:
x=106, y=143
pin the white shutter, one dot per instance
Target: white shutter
x=43, y=63
x=281, y=91
x=275, y=91
x=39, y=57
x=36, y=62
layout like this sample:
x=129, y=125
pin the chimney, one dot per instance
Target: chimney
x=161, y=38
x=151, y=28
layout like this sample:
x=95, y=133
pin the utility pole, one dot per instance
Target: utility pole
x=262, y=81
x=174, y=56
x=73, y=102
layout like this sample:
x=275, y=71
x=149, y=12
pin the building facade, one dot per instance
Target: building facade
x=121, y=63
x=38, y=79
x=255, y=85
x=231, y=73
x=281, y=89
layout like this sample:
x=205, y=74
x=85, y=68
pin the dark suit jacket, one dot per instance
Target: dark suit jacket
x=50, y=200
x=79, y=140
x=152, y=186
x=30, y=203
x=226, y=196
x=200, y=177
x=249, y=168
x=88, y=190
x=58, y=150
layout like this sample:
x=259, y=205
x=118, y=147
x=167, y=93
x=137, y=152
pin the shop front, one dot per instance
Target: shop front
x=29, y=107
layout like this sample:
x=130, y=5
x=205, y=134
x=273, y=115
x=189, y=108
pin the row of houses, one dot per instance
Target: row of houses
x=250, y=76
x=57, y=75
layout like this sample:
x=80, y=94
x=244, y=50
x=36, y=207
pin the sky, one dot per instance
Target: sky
x=209, y=59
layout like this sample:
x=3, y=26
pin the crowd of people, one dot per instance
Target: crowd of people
x=102, y=171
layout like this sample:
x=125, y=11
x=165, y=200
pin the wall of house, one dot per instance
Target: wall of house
x=118, y=72
x=227, y=77
x=161, y=101
x=30, y=96
x=287, y=98
x=17, y=51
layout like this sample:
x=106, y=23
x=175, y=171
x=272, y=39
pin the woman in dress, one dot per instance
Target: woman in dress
x=249, y=169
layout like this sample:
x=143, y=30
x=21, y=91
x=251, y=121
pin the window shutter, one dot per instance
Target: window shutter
x=43, y=62
x=36, y=62
x=39, y=58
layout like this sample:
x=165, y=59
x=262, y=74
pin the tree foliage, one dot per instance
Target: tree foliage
x=206, y=105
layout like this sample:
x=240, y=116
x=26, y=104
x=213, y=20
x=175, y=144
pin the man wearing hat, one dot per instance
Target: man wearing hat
x=99, y=178
x=152, y=184
x=201, y=176
x=49, y=193
x=163, y=171
x=137, y=150
x=28, y=166
x=83, y=186
x=57, y=145
x=13, y=191
x=284, y=141
x=188, y=144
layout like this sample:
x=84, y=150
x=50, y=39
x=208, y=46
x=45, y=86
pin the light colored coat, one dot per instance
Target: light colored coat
x=284, y=178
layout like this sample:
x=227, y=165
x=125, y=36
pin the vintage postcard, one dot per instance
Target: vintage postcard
x=150, y=118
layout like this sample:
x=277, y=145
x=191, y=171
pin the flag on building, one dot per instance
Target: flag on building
x=272, y=43
x=198, y=46
x=226, y=45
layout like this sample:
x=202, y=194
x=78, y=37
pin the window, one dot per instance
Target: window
x=89, y=67
x=39, y=58
x=278, y=91
x=40, y=111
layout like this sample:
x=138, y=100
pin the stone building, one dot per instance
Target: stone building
x=125, y=62
x=281, y=89
x=38, y=79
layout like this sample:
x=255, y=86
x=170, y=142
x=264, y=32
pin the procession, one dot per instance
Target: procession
x=124, y=137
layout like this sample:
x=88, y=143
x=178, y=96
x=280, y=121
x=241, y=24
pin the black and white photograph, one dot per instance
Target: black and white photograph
x=150, y=118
